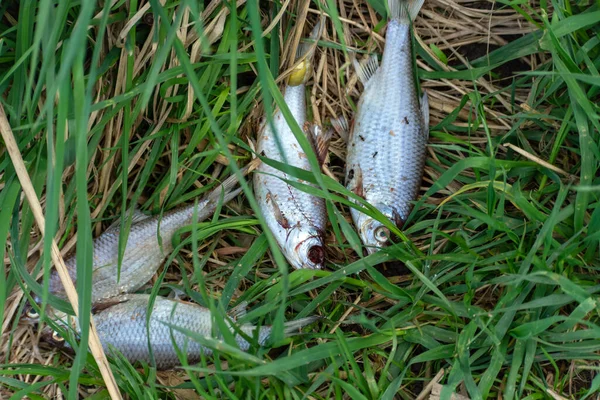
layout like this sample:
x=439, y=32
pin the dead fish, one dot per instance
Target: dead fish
x=296, y=218
x=388, y=139
x=143, y=253
x=122, y=325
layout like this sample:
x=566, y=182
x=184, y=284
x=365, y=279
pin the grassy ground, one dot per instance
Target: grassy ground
x=493, y=290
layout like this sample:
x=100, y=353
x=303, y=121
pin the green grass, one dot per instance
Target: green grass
x=493, y=280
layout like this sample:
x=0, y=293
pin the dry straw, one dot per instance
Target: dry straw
x=57, y=259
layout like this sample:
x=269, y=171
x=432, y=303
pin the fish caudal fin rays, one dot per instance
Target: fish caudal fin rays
x=320, y=140
x=340, y=125
x=238, y=311
x=366, y=69
x=404, y=10
x=292, y=327
x=305, y=53
x=425, y=113
x=226, y=189
x=306, y=48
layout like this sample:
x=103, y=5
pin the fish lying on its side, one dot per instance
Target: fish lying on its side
x=387, y=143
x=296, y=218
x=122, y=326
x=143, y=254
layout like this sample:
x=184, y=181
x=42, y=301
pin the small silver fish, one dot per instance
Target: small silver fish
x=296, y=218
x=122, y=326
x=143, y=253
x=387, y=143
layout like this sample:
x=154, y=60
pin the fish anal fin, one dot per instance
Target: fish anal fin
x=279, y=217
x=340, y=125
x=320, y=140
x=425, y=113
x=103, y=304
x=366, y=69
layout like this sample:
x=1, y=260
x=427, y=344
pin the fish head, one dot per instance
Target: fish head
x=304, y=249
x=373, y=233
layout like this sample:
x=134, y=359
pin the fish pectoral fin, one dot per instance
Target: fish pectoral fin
x=107, y=303
x=341, y=126
x=355, y=181
x=366, y=69
x=319, y=139
x=425, y=113
x=176, y=294
x=279, y=217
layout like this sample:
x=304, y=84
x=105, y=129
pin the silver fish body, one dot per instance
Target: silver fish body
x=387, y=145
x=296, y=218
x=123, y=327
x=143, y=253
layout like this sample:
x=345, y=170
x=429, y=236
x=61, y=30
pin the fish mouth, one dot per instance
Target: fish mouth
x=308, y=254
x=316, y=255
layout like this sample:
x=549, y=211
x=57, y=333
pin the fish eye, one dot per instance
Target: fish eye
x=382, y=234
x=56, y=337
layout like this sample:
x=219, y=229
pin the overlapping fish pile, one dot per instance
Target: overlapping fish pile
x=386, y=156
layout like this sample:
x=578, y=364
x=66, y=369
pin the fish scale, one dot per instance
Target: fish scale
x=387, y=145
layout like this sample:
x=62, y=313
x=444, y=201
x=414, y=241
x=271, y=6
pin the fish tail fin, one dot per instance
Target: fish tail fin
x=306, y=48
x=293, y=327
x=404, y=10
x=304, y=55
x=290, y=329
x=238, y=311
x=226, y=189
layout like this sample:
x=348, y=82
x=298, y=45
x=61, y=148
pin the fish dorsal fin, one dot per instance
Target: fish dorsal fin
x=425, y=113
x=138, y=216
x=320, y=140
x=238, y=311
x=340, y=125
x=366, y=69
